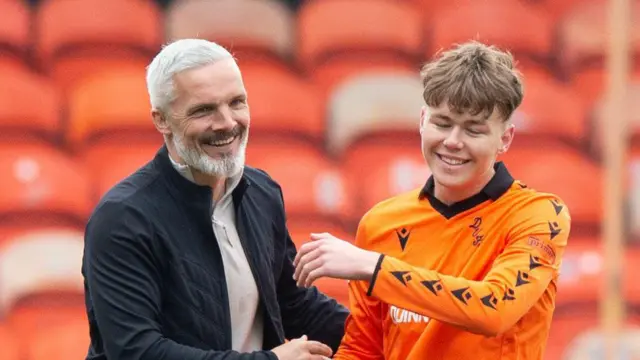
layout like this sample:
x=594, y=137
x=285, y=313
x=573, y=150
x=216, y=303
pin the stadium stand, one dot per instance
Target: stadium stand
x=335, y=98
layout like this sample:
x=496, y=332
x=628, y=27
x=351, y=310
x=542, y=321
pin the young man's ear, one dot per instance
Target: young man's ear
x=161, y=122
x=507, y=137
x=424, y=113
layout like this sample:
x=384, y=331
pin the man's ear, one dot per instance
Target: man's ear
x=161, y=122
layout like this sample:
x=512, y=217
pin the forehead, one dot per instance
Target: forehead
x=443, y=111
x=213, y=82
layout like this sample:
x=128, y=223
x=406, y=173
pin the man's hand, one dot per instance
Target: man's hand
x=329, y=256
x=302, y=349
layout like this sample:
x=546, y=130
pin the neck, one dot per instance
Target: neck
x=218, y=184
x=450, y=195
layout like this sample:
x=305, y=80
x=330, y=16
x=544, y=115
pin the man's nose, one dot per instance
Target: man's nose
x=454, y=139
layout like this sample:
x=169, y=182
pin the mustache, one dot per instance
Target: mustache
x=223, y=135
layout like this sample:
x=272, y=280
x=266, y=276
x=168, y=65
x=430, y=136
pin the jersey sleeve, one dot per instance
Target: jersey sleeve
x=363, y=328
x=517, y=279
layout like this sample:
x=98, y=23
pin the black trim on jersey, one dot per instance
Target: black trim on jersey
x=375, y=275
x=497, y=186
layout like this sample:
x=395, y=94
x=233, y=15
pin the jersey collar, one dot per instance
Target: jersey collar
x=499, y=184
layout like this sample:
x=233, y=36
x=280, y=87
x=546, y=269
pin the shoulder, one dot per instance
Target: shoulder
x=543, y=214
x=386, y=211
x=531, y=203
x=263, y=189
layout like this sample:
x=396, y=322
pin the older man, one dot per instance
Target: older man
x=190, y=258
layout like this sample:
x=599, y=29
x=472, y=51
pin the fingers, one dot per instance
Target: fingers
x=305, y=249
x=304, y=263
x=309, y=271
x=318, y=348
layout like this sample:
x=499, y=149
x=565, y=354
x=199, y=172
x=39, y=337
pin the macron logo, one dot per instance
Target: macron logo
x=402, y=316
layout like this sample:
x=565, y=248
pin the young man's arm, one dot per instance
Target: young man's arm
x=518, y=278
x=363, y=330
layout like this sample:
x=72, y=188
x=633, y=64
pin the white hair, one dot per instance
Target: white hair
x=174, y=58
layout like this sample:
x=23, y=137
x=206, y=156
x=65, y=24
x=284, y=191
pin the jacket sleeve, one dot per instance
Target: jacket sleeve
x=123, y=282
x=363, y=337
x=307, y=311
x=516, y=281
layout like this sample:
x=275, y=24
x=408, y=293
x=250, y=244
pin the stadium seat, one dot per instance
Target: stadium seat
x=333, y=72
x=551, y=109
x=108, y=164
x=334, y=27
x=312, y=184
x=512, y=25
x=76, y=38
x=562, y=170
x=300, y=229
x=40, y=262
x=390, y=167
x=40, y=185
x=283, y=103
x=583, y=35
x=22, y=120
x=68, y=340
x=9, y=346
x=15, y=32
x=245, y=26
x=108, y=107
x=373, y=103
x=576, y=335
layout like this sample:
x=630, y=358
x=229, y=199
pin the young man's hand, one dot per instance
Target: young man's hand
x=328, y=256
x=302, y=349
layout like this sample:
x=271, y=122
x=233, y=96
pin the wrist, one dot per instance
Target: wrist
x=368, y=266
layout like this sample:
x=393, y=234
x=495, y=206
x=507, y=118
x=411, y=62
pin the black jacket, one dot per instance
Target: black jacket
x=154, y=280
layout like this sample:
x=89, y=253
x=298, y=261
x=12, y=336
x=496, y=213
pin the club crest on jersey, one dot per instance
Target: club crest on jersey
x=477, y=236
x=402, y=316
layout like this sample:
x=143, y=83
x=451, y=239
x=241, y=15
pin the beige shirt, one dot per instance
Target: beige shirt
x=244, y=301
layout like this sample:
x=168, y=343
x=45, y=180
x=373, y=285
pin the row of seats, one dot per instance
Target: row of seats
x=71, y=38
x=378, y=101
x=40, y=283
x=43, y=179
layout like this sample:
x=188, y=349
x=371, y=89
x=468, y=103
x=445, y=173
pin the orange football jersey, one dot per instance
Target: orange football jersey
x=474, y=280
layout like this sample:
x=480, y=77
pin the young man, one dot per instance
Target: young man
x=467, y=266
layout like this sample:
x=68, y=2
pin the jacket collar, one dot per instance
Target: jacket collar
x=200, y=196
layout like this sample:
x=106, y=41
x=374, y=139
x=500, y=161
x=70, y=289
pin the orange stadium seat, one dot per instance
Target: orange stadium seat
x=508, y=24
x=282, y=103
x=108, y=106
x=68, y=340
x=550, y=108
x=390, y=167
x=29, y=106
x=300, y=230
x=40, y=261
x=76, y=38
x=583, y=35
x=583, y=263
x=312, y=184
x=41, y=184
x=576, y=335
x=373, y=103
x=335, y=27
x=108, y=164
x=15, y=32
x=591, y=83
x=262, y=27
x=551, y=166
x=9, y=347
